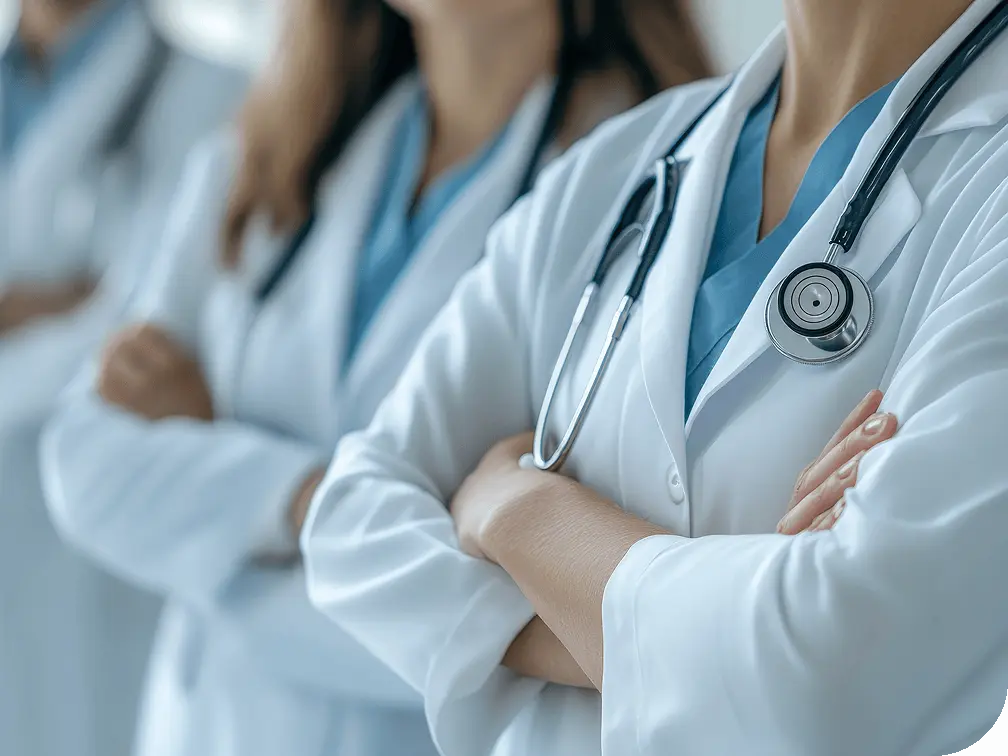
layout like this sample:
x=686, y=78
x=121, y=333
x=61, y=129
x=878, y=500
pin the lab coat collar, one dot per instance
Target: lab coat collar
x=346, y=202
x=982, y=100
x=668, y=302
x=451, y=247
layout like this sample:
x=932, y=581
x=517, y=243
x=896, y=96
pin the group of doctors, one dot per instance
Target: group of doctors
x=448, y=410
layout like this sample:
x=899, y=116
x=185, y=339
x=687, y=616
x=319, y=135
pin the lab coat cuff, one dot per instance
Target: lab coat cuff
x=470, y=698
x=272, y=540
x=623, y=694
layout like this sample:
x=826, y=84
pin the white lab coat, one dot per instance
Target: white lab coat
x=73, y=642
x=244, y=665
x=888, y=636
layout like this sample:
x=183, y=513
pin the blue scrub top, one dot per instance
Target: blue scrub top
x=738, y=261
x=400, y=224
x=27, y=92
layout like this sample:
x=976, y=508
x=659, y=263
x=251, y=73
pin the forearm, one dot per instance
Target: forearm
x=537, y=652
x=561, y=554
x=178, y=506
x=22, y=306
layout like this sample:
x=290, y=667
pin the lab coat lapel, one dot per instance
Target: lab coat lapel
x=456, y=242
x=667, y=306
x=343, y=205
x=981, y=102
x=346, y=208
x=45, y=172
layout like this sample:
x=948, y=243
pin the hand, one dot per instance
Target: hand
x=497, y=483
x=817, y=502
x=23, y=304
x=144, y=371
x=301, y=503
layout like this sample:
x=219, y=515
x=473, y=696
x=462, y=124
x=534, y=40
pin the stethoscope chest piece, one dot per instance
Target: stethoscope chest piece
x=819, y=314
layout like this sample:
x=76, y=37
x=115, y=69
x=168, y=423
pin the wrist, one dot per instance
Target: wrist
x=297, y=510
x=508, y=528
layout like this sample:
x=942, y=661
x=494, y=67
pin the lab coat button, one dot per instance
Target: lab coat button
x=675, y=487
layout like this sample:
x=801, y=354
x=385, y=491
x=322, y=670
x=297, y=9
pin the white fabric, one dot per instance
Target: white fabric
x=888, y=636
x=244, y=665
x=73, y=641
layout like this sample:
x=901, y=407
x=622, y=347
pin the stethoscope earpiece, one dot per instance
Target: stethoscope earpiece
x=819, y=314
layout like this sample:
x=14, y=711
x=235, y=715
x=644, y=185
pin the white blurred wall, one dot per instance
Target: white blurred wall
x=735, y=28
x=221, y=28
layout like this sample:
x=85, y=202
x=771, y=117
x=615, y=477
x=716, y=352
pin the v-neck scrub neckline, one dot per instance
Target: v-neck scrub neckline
x=739, y=261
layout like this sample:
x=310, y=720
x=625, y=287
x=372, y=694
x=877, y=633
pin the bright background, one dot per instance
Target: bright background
x=222, y=29
x=735, y=28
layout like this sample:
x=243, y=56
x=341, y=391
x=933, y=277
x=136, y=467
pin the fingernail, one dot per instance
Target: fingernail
x=848, y=467
x=874, y=425
x=783, y=525
x=818, y=521
x=839, y=508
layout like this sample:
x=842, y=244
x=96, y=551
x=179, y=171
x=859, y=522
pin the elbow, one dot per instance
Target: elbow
x=71, y=474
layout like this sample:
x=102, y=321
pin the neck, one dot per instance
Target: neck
x=44, y=23
x=840, y=51
x=478, y=76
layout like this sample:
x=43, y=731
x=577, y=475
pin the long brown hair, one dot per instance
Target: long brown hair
x=645, y=46
x=335, y=60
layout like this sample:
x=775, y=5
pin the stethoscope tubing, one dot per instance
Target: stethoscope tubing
x=666, y=180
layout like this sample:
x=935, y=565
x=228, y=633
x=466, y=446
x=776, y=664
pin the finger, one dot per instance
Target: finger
x=126, y=349
x=123, y=382
x=831, y=518
x=874, y=430
x=865, y=409
x=818, y=521
x=158, y=348
x=828, y=520
x=823, y=499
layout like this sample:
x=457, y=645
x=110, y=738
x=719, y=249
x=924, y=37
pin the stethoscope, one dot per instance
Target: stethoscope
x=819, y=314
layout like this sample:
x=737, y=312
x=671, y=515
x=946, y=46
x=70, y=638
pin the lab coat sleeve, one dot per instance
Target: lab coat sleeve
x=182, y=507
x=380, y=549
x=176, y=505
x=173, y=505
x=39, y=360
x=856, y=641
x=269, y=612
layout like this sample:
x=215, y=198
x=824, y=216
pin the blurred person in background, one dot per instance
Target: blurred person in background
x=96, y=115
x=355, y=193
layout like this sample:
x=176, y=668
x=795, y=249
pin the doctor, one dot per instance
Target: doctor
x=96, y=114
x=653, y=557
x=189, y=459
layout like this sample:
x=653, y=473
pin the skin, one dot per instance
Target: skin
x=288, y=113
x=479, y=59
x=560, y=541
x=501, y=504
x=25, y=303
x=43, y=24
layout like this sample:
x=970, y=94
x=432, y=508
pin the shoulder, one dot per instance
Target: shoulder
x=626, y=134
x=583, y=189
